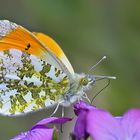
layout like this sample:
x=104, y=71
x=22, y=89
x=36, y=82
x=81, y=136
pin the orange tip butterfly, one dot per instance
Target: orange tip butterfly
x=35, y=73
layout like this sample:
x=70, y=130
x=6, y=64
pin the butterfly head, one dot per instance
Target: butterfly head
x=87, y=80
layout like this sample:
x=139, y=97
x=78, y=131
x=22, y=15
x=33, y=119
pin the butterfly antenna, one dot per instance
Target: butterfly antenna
x=101, y=90
x=94, y=66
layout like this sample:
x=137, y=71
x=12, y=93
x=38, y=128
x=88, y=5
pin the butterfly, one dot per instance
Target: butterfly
x=35, y=73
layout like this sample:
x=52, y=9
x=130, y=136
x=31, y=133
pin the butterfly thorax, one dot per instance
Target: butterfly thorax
x=77, y=88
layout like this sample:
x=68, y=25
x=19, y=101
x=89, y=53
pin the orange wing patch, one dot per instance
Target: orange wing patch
x=54, y=47
x=17, y=37
x=21, y=39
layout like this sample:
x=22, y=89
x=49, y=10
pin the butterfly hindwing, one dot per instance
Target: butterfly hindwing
x=28, y=83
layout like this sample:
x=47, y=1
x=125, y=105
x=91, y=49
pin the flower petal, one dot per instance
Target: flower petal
x=80, y=126
x=80, y=106
x=38, y=133
x=101, y=125
x=41, y=133
x=130, y=123
x=81, y=109
x=51, y=120
x=21, y=136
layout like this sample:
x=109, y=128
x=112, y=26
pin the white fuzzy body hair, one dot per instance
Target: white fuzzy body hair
x=76, y=90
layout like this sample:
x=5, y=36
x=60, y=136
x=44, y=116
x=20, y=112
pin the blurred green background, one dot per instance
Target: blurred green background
x=86, y=30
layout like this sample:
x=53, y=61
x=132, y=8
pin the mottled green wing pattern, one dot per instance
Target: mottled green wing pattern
x=27, y=83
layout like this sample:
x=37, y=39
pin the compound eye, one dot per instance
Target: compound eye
x=84, y=81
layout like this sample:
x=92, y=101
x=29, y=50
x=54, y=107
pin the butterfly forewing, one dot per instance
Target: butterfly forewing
x=38, y=44
x=28, y=83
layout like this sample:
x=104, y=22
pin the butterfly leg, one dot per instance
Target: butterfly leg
x=55, y=110
x=63, y=111
x=86, y=97
x=62, y=115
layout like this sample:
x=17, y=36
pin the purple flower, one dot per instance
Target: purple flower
x=41, y=131
x=101, y=125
